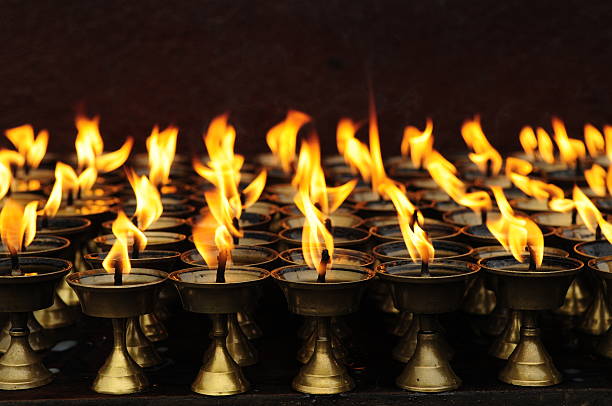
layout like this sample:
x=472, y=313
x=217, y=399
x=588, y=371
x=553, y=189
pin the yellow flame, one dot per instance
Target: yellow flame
x=529, y=142
x=125, y=232
x=587, y=210
x=6, y=178
x=418, y=243
x=88, y=142
x=404, y=207
x=379, y=176
x=536, y=188
x=161, y=147
x=55, y=199
x=119, y=256
x=596, y=179
x=110, y=161
x=476, y=140
x=516, y=233
x=315, y=236
x=222, y=211
x=356, y=154
x=570, y=149
x=594, y=141
x=149, y=206
x=254, y=189
x=443, y=173
x=31, y=148
x=282, y=138
x=608, y=140
x=518, y=166
x=209, y=237
x=545, y=146
x=17, y=225
x=418, y=143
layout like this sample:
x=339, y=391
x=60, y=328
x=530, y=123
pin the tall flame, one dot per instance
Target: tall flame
x=594, y=141
x=31, y=148
x=161, y=147
x=379, y=176
x=570, y=149
x=418, y=143
x=587, y=210
x=76, y=184
x=516, y=233
x=17, y=225
x=529, y=142
x=517, y=166
x=596, y=178
x=254, y=189
x=545, y=146
x=110, y=161
x=149, y=206
x=125, y=232
x=484, y=155
x=55, y=199
x=6, y=178
x=282, y=138
x=356, y=154
x=315, y=236
x=208, y=234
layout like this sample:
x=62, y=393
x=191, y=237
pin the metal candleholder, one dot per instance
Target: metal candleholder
x=149, y=324
x=252, y=237
x=602, y=267
x=339, y=295
x=168, y=224
x=597, y=319
x=219, y=375
x=434, y=230
x=248, y=220
x=337, y=219
x=344, y=237
x=156, y=240
x=20, y=366
x=256, y=256
x=99, y=297
x=428, y=369
x=466, y=217
x=530, y=291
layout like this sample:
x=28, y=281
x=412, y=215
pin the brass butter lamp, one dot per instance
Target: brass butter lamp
x=29, y=287
x=101, y=296
x=220, y=374
x=438, y=290
x=603, y=268
x=339, y=295
x=529, y=291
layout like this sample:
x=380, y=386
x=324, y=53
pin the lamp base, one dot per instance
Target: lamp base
x=577, y=299
x=153, y=328
x=120, y=374
x=529, y=364
x=249, y=326
x=38, y=338
x=139, y=346
x=59, y=315
x=479, y=300
x=21, y=367
x=323, y=374
x=239, y=347
x=505, y=344
x=597, y=319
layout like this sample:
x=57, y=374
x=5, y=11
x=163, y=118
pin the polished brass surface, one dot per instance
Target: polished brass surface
x=238, y=345
x=323, y=374
x=249, y=326
x=479, y=300
x=120, y=374
x=100, y=298
x=496, y=322
x=404, y=349
x=200, y=294
x=577, y=299
x=64, y=291
x=307, y=328
x=20, y=366
x=305, y=353
x=38, y=338
x=339, y=295
x=428, y=369
x=597, y=318
x=220, y=375
x=529, y=364
x=139, y=347
x=59, y=315
x=403, y=324
x=153, y=328
x=507, y=341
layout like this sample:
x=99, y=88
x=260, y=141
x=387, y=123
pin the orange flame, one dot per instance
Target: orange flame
x=55, y=199
x=587, y=210
x=379, y=176
x=536, y=188
x=282, y=138
x=254, y=189
x=356, y=154
x=6, y=178
x=608, y=141
x=17, y=225
x=125, y=233
x=149, y=206
x=31, y=148
x=545, y=146
x=76, y=184
x=418, y=243
x=519, y=166
x=208, y=234
x=596, y=179
x=594, y=141
x=88, y=142
x=483, y=153
x=161, y=147
x=514, y=232
x=418, y=143
x=529, y=142
x=315, y=236
x=110, y=161
x=404, y=207
x=570, y=149
x=443, y=173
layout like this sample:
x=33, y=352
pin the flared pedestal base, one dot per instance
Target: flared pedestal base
x=428, y=370
x=238, y=345
x=139, y=347
x=59, y=315
x=249, y=326
x=505, y=344
x=153, y=328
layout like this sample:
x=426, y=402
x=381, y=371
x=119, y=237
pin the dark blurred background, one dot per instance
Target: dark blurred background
x=140, y=63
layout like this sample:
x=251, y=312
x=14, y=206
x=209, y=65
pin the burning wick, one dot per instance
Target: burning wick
x=221, y=263
x=118, y=273
x=236, y=224
x=574, y=215
x=136, y=249
x=70, y=200
x=425, y=268
x=489, y=170
x=532, y=263
x=483, y=217
x=15, y=271
x=578, y=169
x=322, y=270
x=598, y=233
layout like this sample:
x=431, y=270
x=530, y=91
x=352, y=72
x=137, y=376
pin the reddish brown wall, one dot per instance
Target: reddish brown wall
x=143, y=62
